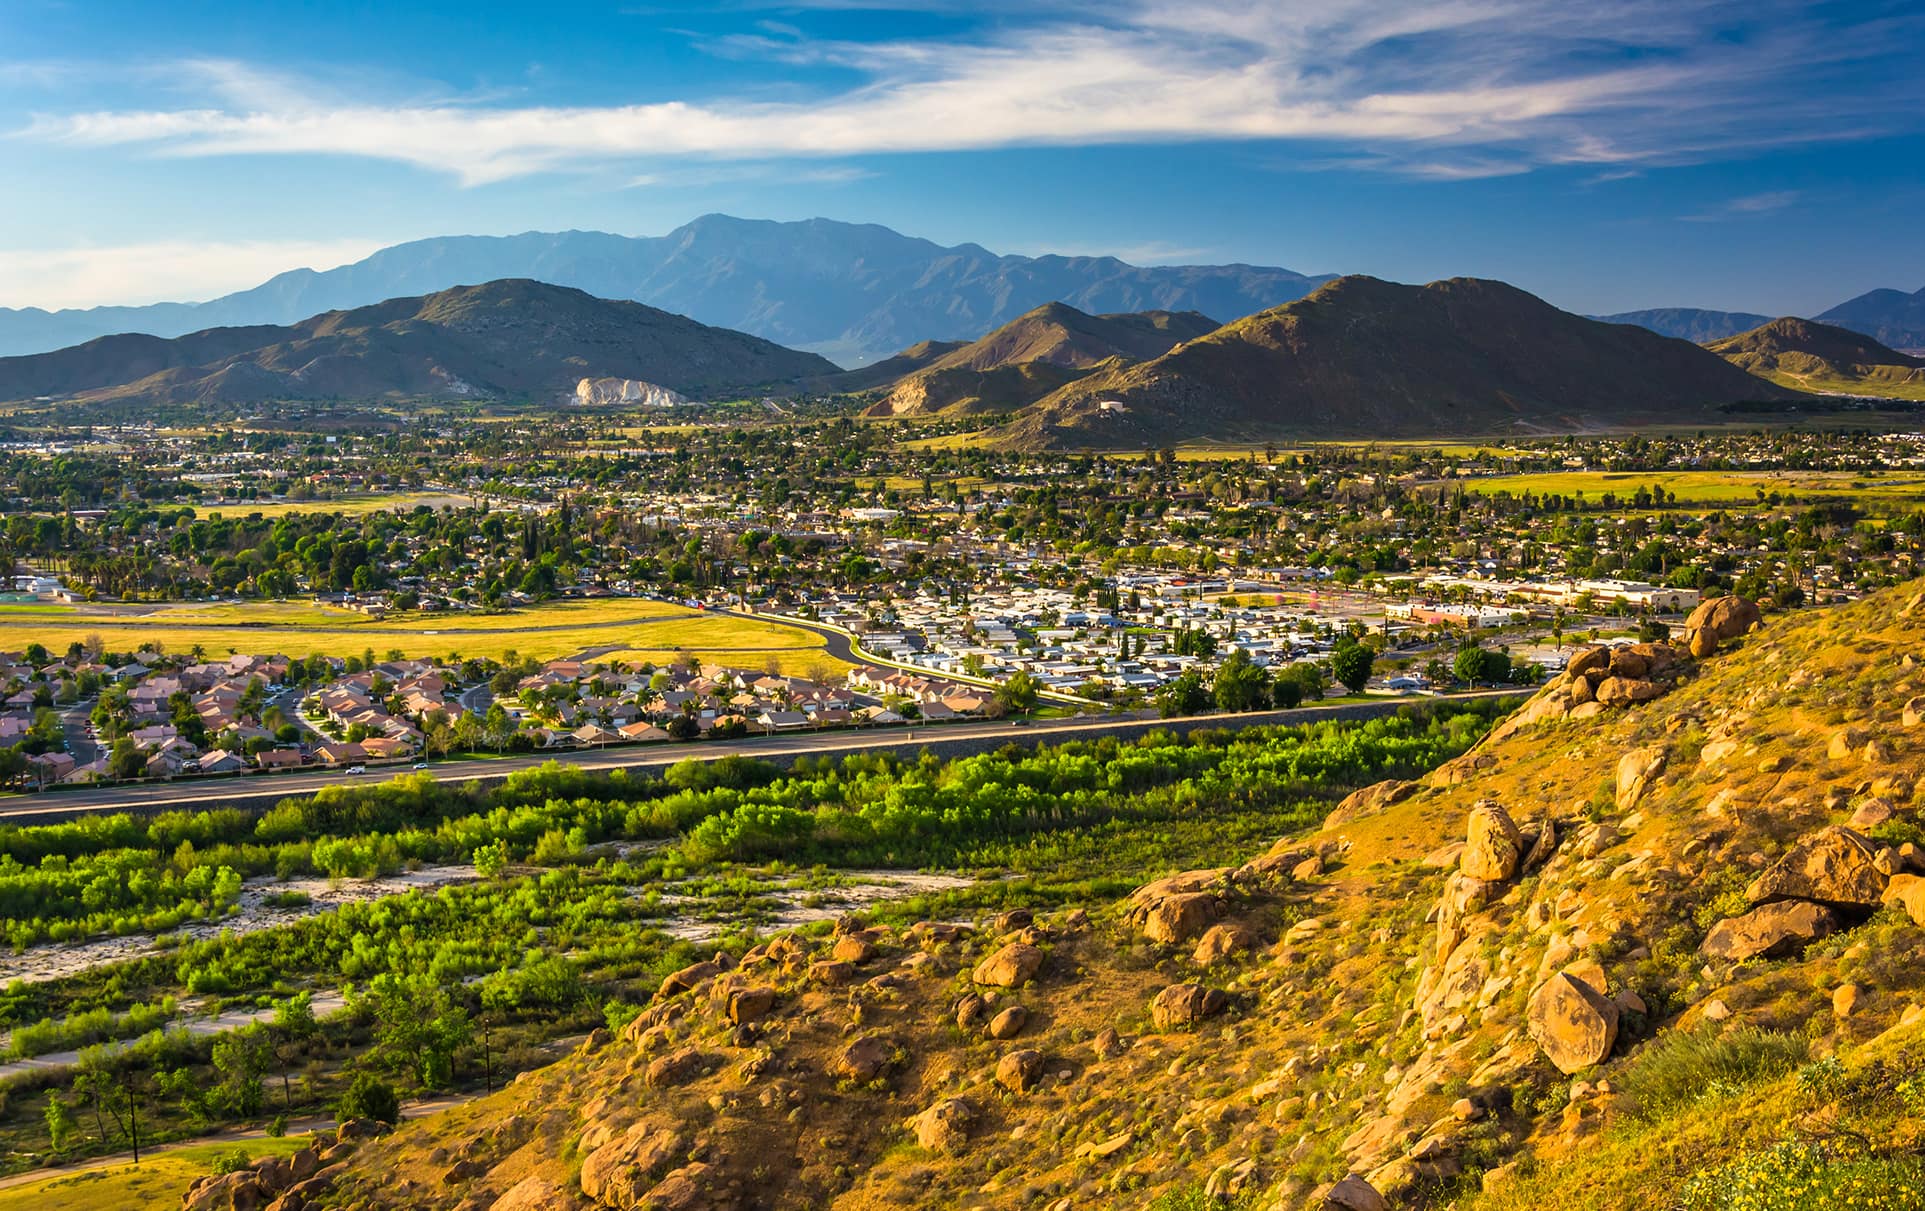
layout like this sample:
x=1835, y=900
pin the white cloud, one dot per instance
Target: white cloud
x=162, y=271
x=1517, y=82
x=1750, y=204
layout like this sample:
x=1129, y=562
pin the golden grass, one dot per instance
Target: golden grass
x=544, y=632
x=352, y=506
x=158, y=1182
x=797, y=662
x=1708, y=487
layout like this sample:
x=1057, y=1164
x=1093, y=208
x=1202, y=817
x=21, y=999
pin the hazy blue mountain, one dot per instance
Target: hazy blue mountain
x=853, y=292
x=1891, y=317
x=1689, y=323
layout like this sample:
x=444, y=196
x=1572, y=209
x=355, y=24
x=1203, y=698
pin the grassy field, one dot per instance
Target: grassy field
x=353, y=506
x=1889, y=382
x=544, y=632
x=1710, y=487
x=158, y=1182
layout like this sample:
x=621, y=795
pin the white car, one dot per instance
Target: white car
x=355, y=769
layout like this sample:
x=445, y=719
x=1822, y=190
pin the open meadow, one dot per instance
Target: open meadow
x=1712, y=487
x=651, y=630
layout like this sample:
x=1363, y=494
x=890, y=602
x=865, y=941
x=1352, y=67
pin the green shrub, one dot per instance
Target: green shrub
x=1679, y=1068
x=1800, y=1176
x=368, y=1096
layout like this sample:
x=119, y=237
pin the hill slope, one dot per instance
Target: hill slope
x=1811, y=356
x=1688, y=323
x=1892, y=317
x=854, y=292
x=1036, y=353
x=1577, y=966
x=512, y=339
x=1365, y=358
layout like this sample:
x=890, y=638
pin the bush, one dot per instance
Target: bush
x=1803, y=1176
x=368, y=1097
x=1680, y=1068
x=232, y=1161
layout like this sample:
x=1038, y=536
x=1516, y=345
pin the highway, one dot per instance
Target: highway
x=258, y=788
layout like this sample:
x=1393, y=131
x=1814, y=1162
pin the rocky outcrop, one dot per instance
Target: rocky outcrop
x=1834, y=866
x=1493, y=846
x=1177, y=909
x=1019, y=1071
x=1369, y=801
x=1636, y=771
x=1770, y=931
x=1574, y=1023
x=622, y=1172
x=1353, y=1193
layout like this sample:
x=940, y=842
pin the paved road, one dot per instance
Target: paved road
x=217, y=791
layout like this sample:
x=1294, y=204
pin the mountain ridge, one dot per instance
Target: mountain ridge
x=854, y=292
x=504, y=339
x=1811, y=356
x=1361, y=357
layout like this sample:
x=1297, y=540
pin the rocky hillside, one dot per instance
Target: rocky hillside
x=1656, y=942
x=505, y=340
x=1362, y=358
x=1818, y=357
x=1035, y=354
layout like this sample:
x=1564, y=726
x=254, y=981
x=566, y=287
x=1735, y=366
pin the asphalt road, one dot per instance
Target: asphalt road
x=208, y=793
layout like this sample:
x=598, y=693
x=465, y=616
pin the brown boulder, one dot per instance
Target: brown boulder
x=944, y=1127
x=1908, y=892
x=1573, y=1022
x=1637, y=769
x=1726, y=617
x=1834, y=866
x=971, y=1011
x=675, y=1068
x=1015, y=965
x=1913, y=712
x=1624, y=691
x=748, y=1005
x=689, y=977
x=1222, y=941
x=1185, y=1005
x=864, y=1060
x=1493, y=846
x=693, y=1187
x=1627, y=663
x=535, y=1193
x=853, y=948
x=1353, y=1193
x=1771, y=931
x=1590, y=660
x=1704, y=644
x=1019, y=1071
x=1009, y=1023
x=1369, y=801
x=621, y=1172
x=1177, y=918
x=832, y=972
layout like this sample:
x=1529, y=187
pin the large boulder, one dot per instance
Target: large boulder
x=1588, y=661
x=1908, y=892
x=1019, y=1071
x=1726, y=617
x=944, y=1127
x=1185, y=1004
x=535, y=1193
x=1493, y=846
x=1637, y=769
x=1220, y=942
x=1833, y=866
x=1015, y=965
x=1353, y=1193
x=1369, y=801
x=1178, y=918
x=1574, y=1023
x=1626, y=691
x=1770, y=931
x=621, y=1172
x=864, y=1060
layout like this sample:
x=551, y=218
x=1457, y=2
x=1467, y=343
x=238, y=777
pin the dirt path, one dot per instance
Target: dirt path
x=419, y=1108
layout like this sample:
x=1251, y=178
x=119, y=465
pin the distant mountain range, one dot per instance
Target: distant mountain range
x=1363, y=358
x=1891, y=317
x=1034, y=354
x=1811, y=356
x=853, y=292
x=511, y=339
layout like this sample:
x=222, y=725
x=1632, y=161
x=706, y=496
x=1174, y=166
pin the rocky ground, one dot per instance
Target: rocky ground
x=1457, y=991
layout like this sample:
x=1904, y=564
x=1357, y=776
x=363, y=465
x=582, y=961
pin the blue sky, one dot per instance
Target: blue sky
x=1607, y=155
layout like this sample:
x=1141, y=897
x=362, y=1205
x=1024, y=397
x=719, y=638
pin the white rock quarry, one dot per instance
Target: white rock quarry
x=592, y=391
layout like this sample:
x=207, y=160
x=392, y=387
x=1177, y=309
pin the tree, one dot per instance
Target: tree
x=1241, y=685
x=1018, y=694
x=240, y=1056
x=294, y=1025
x=1351, y=663
x=368, y=1096
x=491, y=859
x=61, y=1123
x=1185, y=695
x=126, y=760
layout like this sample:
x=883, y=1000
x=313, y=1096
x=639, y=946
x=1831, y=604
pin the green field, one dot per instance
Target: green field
x=1708, y=487
x=651, y=630
x=352, y=506
x=158, y=1182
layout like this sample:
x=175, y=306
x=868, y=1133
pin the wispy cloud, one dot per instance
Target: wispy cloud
x=170, y=269
x=1750, y=204
x=1451, y=89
